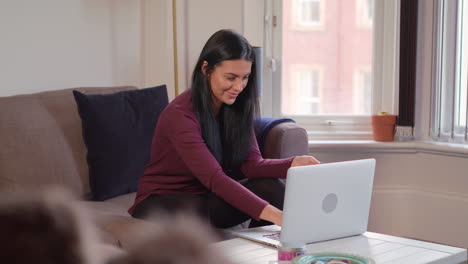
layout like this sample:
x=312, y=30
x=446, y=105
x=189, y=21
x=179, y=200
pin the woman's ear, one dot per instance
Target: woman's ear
x=204, y=66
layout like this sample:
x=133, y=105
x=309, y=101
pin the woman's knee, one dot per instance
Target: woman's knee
x=222, y=214
x=169, y=204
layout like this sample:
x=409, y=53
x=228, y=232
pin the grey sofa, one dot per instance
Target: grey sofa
x=41, y=144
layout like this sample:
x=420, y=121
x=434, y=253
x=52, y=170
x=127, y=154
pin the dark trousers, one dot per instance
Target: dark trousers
x=209, y=206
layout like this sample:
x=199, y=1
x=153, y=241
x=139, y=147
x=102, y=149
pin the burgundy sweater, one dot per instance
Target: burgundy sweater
x=182, y=163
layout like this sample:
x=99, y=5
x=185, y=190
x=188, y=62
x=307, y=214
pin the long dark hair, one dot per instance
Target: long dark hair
x=230, y=139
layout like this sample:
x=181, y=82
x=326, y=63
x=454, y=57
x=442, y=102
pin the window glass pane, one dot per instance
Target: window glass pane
x=369, y=9
x=362, y=87
x=315, y=11
x=309, y=12
x=306, y=97
x=336, y=50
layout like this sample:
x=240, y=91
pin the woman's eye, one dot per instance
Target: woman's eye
x=231, y=78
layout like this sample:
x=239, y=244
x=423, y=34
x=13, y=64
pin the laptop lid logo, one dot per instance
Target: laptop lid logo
x=329, y=203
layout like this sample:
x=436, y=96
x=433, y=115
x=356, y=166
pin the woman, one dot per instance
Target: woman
x=205, y=137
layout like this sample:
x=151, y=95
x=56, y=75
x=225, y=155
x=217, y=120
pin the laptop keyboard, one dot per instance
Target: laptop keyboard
x=274, y=236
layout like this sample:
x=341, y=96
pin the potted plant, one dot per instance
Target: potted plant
x=383, y=126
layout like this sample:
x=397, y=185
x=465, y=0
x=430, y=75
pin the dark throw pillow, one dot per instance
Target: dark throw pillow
x=117, y=130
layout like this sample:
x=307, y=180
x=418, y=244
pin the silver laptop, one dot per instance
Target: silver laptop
x=321, y=202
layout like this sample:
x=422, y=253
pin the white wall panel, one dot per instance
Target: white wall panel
x=158, y=45
x=126, y=36
x=54, y=44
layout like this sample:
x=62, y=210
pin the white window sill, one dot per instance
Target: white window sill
x=339, y=136
x=432, y=147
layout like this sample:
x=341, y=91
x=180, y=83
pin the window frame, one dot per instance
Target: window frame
x=385, y=66
x=447, y=73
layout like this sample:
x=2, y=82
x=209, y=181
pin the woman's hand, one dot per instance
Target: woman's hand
x=303, y=161
x=272, y=214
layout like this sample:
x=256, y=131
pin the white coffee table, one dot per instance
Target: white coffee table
x=383, y=249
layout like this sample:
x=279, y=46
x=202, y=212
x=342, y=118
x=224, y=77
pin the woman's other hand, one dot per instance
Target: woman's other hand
x=304, y=160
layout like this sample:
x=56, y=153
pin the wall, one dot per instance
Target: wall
x=157, y=50
x=54, y=44
x=126, y=37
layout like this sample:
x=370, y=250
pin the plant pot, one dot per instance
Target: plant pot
x=383, y=127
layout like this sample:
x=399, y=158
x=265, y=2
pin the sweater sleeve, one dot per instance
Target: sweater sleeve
x=255, y=166
x=189, y=144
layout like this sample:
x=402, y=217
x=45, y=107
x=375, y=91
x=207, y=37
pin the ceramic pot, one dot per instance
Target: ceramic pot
x=383, y=127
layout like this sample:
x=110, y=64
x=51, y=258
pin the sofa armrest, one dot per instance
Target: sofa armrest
x=286, y=140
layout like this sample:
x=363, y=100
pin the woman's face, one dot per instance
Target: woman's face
x=227, y=80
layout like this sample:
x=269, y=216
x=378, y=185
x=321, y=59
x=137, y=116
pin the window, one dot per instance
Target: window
x=449, y=106
x=307, y=82
x=306, y=14
x=309, y=12
x=340, y=49
x=351, y=88
x=362, y=91
x=364, y=13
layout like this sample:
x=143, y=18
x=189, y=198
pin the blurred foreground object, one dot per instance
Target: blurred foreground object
x=46, y=227
x=176, y=239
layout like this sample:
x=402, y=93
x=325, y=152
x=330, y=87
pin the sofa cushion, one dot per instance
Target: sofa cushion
x=117, y=131
x=286, y=140
x=111, y=218
x=264, y=125
x=115, y=206
x=41, y=141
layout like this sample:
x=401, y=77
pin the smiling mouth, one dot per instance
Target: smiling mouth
x=232, y=95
